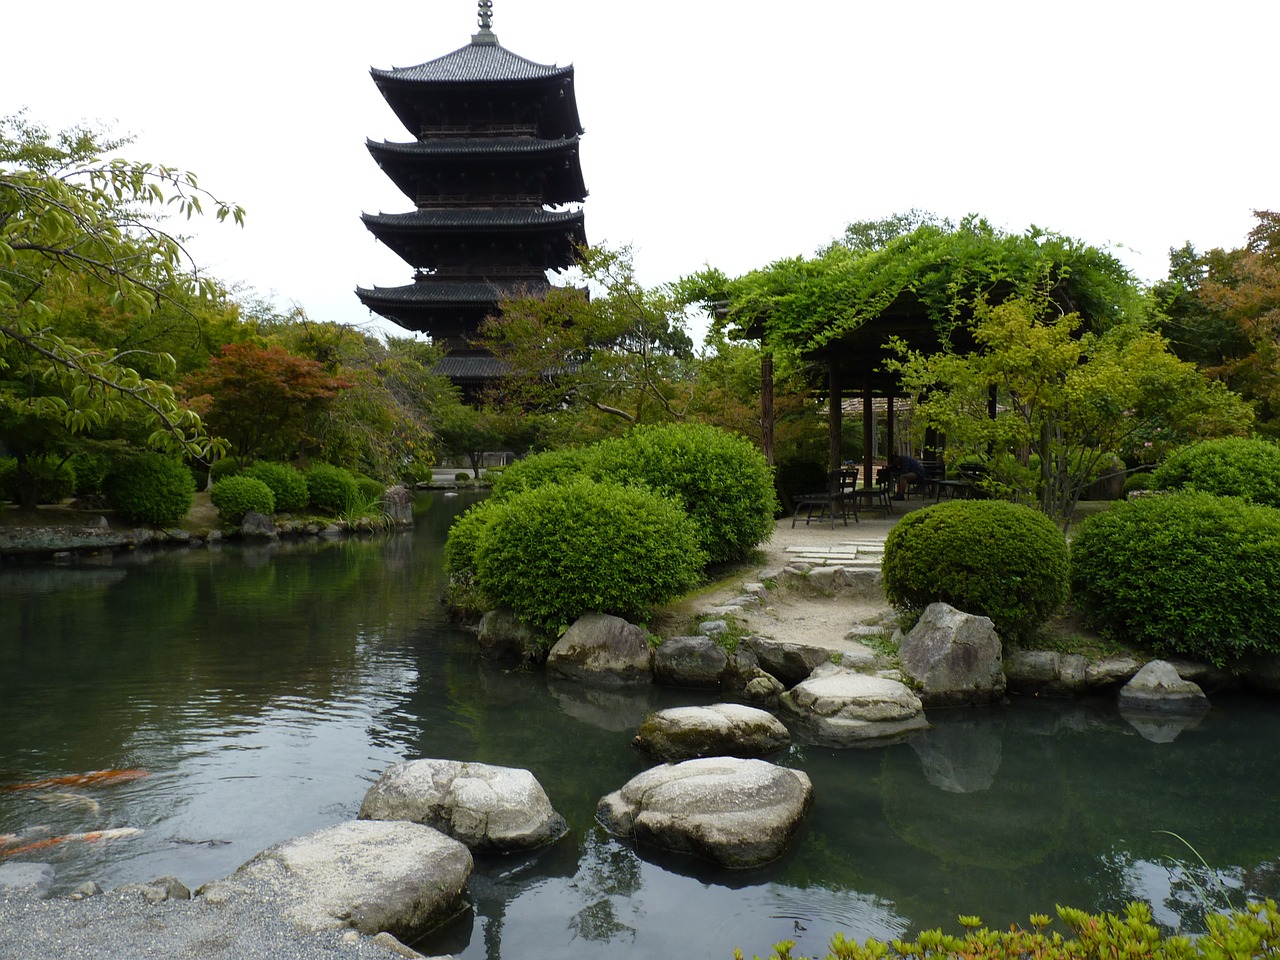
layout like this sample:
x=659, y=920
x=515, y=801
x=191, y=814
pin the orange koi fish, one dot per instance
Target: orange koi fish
x=94, y=778
x=93, y=836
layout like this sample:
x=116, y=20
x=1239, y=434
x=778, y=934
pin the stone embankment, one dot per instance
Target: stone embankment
x=83, y=536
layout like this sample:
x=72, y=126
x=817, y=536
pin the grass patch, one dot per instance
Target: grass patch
x=1067, y=633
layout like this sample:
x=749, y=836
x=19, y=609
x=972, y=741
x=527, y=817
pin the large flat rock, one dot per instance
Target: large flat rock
x=489, y=808
x=737, y=813
x=371, y=875
x=721, y=729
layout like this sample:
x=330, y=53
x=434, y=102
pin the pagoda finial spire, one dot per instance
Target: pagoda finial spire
x=486, y=34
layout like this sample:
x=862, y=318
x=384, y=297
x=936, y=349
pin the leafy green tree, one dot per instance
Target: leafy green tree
x=267, y=402
x=623, y=351
x=73, y=221
x=1067, y=402
x=385, y=422
x=1222, y=310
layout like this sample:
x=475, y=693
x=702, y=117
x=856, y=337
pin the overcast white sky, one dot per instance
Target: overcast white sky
x=721, y=132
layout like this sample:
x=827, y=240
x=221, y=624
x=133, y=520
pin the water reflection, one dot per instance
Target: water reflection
x=265, y=689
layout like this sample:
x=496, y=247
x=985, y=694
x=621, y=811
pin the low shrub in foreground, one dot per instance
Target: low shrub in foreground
x=288, y=484
x=236, y=496
x=1240, y=935
x=1229, y=467
x=1185, y=573
x=720, y=479
x=558, y=551
x=985, y=557
x=334, y=490
x=150, y=488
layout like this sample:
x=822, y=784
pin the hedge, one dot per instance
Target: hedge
x=288, y=484
x=1182, y=573
x=236, y=496
x=1228, y=467
x=985, y=557
x=558, y=551
x=150, y=488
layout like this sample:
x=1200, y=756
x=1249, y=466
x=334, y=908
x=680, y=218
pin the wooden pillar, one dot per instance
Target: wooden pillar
x=868, y=432
x=766, y=404
x=889, y=427
x=833, y=413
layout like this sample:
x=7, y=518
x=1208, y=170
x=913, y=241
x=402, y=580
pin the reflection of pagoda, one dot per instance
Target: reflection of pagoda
x=497, y=145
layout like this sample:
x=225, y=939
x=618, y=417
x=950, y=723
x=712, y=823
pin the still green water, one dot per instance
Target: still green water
x=264, y=689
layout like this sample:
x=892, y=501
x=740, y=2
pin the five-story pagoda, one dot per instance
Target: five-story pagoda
x=496, y=152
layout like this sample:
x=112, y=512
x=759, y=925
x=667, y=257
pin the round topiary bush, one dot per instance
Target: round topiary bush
x=333, y=489
x=535, y=470
x=288, y=484
x=985, y=557
x=371, y=490
x=1186, y=573
x=226, y=467
x=1229, y=467
x=150, y=488
x=720, y=479
x=236, y=496
x=558, y=551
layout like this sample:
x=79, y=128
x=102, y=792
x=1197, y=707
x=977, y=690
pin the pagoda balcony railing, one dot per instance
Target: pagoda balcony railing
x=480, y=130
x=492, y=271
x=444, y=201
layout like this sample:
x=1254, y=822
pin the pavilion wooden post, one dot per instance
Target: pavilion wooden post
x=868, y=431
x=889, y=438
x=766, y=404
x=833, y=412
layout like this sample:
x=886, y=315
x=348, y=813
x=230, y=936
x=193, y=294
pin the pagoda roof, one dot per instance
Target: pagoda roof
x=473, y=146
x=468, y=219
x=435, y=292
x=474, y=63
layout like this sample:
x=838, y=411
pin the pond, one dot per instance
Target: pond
x=263, y=689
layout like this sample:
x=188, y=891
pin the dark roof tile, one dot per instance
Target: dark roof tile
x=475, y=62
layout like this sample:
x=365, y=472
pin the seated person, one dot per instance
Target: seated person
x=906, y=470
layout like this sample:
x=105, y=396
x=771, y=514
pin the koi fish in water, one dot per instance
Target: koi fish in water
x=94, y=778
x=93, y=836
x=76, y=801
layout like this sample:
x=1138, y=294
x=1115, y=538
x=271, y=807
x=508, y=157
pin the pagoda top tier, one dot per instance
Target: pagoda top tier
x=475, y=63
x=482, y=88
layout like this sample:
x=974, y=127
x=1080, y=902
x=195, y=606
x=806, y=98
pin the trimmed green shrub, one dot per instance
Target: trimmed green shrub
x=236, y=496
x=464, y=536
x=288, y=484
x=334, y=490
x=1182, y=573
x=462, y=478
x=720, y=479
x=150, y=488
x=1229, y=467
x=550, y=466
x=90, y=470
x=371, y=490
x=985, y=557
x=226, y=467
x=1137, y=482
x=558, y=551
x=8, y=479
x=54, y=480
